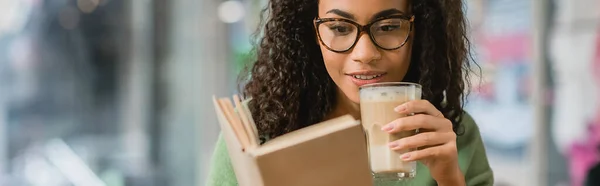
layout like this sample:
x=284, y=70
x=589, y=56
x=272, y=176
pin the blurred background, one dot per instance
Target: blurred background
x=118, y=92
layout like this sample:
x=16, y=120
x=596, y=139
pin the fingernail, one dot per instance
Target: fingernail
x=405, y=156
x=393, y=145
x=400, y=108
x=387, y=128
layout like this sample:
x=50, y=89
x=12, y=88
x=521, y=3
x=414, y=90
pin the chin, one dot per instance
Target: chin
x=354, y=98
x=352, y=94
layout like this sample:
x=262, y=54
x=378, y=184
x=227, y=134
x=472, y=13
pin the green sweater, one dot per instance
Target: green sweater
x=472, y=160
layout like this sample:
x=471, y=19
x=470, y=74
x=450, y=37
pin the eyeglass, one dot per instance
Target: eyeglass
x=341, y=35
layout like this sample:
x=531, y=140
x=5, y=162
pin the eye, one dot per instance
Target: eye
x=388, y=25
x=340, y=29
x=388, y=28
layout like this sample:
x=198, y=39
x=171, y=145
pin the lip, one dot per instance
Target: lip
x=366, y=73
x=361, y=82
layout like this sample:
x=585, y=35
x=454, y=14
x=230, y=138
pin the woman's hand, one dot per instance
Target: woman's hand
x=436, y=141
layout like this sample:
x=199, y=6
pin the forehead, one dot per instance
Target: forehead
x=362, y=10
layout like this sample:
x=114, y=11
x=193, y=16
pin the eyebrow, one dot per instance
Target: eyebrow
x=387, y=12
x=341, y=13
x=384, y=13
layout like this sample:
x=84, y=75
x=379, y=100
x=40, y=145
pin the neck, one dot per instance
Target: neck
x=344, y=106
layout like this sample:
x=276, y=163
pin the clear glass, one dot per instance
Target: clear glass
x=377, y=103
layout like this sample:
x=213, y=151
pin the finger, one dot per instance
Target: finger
x=431, y=152
x=419, y=121
x=419, y=106
x=422, y=140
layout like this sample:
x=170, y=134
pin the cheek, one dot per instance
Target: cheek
x=334, y=63
x=398, y=66
x=398, y=62
x=336, y=66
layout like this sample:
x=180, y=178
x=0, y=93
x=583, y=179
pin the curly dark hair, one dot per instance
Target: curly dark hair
x=291, y=88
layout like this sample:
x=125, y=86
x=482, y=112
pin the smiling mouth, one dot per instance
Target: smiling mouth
x=366, y=77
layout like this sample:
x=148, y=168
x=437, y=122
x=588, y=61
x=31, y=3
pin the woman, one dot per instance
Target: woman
x=314, y=52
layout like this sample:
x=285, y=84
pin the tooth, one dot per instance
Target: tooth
x=366, y=77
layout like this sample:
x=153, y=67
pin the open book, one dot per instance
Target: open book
x=329, y=153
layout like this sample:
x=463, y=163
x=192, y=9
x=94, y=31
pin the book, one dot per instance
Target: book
x=329, y=153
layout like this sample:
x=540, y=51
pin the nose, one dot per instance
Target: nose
x=365, y=50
